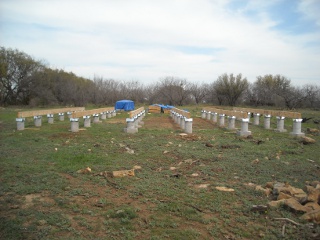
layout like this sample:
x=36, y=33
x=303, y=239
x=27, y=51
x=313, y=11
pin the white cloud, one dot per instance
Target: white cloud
x=310, y=9
x=144, y=40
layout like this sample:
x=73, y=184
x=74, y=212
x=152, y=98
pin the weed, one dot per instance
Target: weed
x=126, y=213
x=158, y=202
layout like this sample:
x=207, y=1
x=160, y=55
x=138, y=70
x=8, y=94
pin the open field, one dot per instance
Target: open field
x=172, y=196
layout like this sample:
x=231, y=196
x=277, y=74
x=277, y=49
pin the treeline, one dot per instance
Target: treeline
x=26, y=81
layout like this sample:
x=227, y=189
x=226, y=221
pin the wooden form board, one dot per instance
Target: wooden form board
x=135, y=112
x=216, y=110
x=287, y=114
x=227, y=112
x=251, y=110
x=91, y=112
x=157, y=109
x=182, y=112
x=48, y=111
x=154, y=109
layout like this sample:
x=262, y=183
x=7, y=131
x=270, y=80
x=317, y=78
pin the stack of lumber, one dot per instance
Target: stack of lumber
x=154, y=109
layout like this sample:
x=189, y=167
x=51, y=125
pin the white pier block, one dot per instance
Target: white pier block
x=296, y=129
x=74, y=124
x=280, y=125
x=20, y=123
x=244, y=128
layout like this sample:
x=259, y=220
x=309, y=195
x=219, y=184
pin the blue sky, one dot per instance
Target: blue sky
x=147, y=40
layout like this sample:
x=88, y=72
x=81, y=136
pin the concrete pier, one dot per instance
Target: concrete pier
x=103, y=116
x=178, y=119
x=140, y=122
x=214, y=117
x=61, y=116
x=266, y=123
x=20, y=123
x=135, y=122
x=188, y=125
x=86, y=121
x=244, y=128
x=296, y=130
x=182, y=122
x=50, y=118
x=37, y=121
x=208, y=115
x=131, y=128
x=249, y=116
x=203, y=114
x=175, y=116
x=280, y=125
x=96, y=118
x=109, y=114
x=74, y=124
x=221, y=120
x=231, y=122
x=256, y=118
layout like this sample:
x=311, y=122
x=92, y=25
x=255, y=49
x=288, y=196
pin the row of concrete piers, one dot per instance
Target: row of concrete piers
x=244, y=131
x=87, y=119
x=135, y=122
x=184, y=122
x=38, y=120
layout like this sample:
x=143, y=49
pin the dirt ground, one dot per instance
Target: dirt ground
x=47, y=203
x=87, y=212
x=167, y=122
x=160, y=120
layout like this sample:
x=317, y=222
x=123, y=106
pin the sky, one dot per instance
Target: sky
x=145, y=40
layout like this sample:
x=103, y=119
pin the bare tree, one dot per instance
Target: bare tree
x=230, y=88
x=152, y=94
x=283, y=88
x=199, y=92
x=263, y=90
x=98, y=95
x=24, y=80
x=305, y=96
x=132, y=90
x=112, y=90
x=43, y=89
x=250, y=96
x=274, y=90
x=312, y=95
x=211, y=96
x=173, y=91
x=17, y=70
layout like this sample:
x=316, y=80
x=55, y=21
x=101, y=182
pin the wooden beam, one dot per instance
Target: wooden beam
x=251, y=110
x=213, y=109
x=287, y=114
x=47, y=111
x=237, y=114
x=182, y=112
x=154, y=109
x=91, y=112
x=135, y=112
x=243, y=112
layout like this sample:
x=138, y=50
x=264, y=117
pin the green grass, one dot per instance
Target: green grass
x=43, y=196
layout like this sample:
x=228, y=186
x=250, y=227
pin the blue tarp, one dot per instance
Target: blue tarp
x=164, y=106
x=126, y=105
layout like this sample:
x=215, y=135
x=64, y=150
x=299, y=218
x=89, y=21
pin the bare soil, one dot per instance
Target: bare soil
x=167, y=122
